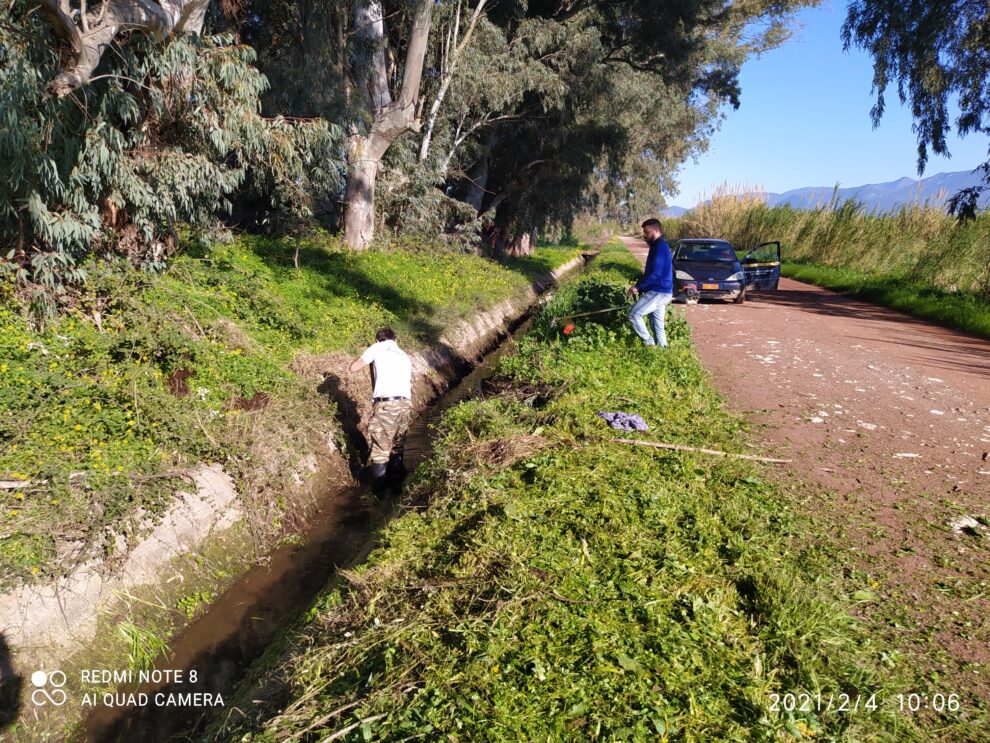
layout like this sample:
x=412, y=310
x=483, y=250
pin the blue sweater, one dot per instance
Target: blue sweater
x=659, y=273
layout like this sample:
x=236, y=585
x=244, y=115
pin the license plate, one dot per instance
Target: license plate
x=709, y=286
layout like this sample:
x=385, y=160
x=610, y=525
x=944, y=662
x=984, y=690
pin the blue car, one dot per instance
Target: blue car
x=706, y=268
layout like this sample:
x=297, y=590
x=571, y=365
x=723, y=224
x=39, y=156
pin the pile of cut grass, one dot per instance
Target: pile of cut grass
x=548, y=584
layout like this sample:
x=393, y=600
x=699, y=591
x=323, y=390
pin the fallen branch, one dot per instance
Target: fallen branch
x=185, y=473
x=713, y=452
x=19, y=484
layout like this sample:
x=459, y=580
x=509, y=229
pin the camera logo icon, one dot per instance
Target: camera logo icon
x=48, y=688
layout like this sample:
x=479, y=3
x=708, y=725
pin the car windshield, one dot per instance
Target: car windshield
x=706, y=252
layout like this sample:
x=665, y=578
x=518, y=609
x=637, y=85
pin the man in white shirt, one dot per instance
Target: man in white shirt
x=392, y=398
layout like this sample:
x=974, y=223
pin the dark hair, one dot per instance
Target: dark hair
x=385, y=334
x=652, y=223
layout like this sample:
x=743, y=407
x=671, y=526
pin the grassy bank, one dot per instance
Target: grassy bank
x=147, y=374
x=918, y=259
x=958, y=310
x=548, y=584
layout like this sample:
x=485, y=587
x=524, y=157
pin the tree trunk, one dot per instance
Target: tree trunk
x=389, y=119
x=477, y=179
x=359, y=214
x=370, y=70
x=521, y=245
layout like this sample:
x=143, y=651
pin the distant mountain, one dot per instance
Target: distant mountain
x=876, y=196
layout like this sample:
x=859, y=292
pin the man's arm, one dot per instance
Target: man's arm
x=364, y=359
x=650, y=259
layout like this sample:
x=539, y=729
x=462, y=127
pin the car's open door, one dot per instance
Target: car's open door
x=762, y=266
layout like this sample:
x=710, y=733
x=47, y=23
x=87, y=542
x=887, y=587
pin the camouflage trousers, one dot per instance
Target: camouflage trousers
x=387, y=428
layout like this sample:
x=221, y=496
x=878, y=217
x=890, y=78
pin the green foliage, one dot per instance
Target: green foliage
x=191, y=603
x=144, y=374
x=553, y=585
x=166, y=133
x=545, y=259
x=935, y=53
x=603, y=286
x=144, y=646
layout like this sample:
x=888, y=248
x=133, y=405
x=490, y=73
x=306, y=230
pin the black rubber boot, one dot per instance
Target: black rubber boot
x=378, y=481
x=396, y=473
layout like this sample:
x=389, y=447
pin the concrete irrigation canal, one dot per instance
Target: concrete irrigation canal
x=218, y=647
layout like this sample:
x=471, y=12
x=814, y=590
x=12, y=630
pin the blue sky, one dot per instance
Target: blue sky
x=804, y=120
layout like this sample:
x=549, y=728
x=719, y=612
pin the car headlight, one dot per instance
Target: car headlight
x=683, y=276
x=737, y=276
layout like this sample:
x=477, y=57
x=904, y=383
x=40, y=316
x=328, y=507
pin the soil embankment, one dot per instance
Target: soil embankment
x=889, y=417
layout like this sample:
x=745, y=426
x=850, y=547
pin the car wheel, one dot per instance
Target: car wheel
x=741, y=298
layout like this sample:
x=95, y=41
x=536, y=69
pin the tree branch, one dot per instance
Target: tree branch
x=59, y=15
x=712, y=452
x=94, y=33
x=431, y=119
x=416, y=55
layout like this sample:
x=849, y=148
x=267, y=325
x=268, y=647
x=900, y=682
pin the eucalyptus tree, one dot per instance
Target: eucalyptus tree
x=624, y=90
x=935, y=52
x=360, y=64
x=384, y=116
x=119, y=120
x=521, y=104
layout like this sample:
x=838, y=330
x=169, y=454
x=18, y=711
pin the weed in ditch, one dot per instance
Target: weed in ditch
x=143, y=646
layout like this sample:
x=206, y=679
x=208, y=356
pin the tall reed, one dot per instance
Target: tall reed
x=918, y=242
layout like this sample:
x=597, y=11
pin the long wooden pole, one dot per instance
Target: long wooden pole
x=713, y=452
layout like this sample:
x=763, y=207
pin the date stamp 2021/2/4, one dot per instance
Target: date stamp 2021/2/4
x=850, y=703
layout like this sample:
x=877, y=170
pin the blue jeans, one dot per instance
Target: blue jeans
x=653, y=304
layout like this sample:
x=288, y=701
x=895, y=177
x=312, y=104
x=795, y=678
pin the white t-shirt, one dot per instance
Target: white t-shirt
x=393, y=369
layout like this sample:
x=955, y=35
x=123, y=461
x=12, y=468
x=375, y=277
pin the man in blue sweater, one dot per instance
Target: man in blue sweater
x=655, y=289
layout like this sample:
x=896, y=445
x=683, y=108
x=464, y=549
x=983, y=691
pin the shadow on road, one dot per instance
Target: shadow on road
x=945, y=349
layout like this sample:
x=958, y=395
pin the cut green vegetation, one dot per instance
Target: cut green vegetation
x=549, y=584
x=149, y=374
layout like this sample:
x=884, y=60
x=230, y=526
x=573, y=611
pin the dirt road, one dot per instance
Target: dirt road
x=887, y=418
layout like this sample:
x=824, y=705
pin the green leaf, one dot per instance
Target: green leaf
x=630, y=664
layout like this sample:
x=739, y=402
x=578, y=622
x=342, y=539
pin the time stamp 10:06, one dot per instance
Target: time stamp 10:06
x=913, y=702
